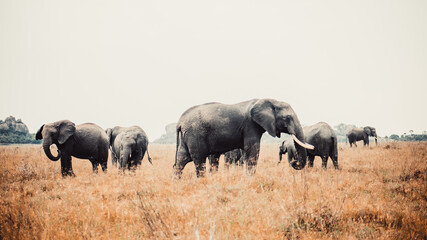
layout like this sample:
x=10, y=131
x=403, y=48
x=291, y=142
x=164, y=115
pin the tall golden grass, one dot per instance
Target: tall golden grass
x=380, y=193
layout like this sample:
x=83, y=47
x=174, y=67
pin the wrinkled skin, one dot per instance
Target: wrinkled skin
x=324, y=140
x=231, y=157
x=216, y=128
x=128, y=146
x=85, y=141
x=357, y=134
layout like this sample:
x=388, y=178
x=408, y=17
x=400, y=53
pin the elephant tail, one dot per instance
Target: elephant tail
x=178, y=131
x=149, y=158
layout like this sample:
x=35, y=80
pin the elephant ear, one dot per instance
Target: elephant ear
x=39, y=133
x=66, y=130
x=263, y=113
x=367, y=130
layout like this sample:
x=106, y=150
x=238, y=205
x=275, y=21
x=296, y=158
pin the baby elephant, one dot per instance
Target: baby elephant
x=128, y=146
x=324, y=140
x=231, y=157
x=289, y=148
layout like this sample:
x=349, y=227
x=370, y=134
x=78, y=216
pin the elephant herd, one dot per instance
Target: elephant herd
x=203, y=131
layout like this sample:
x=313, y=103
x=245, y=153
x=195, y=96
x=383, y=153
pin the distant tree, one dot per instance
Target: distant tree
x=169, y=137
x=341, y=131
x=394, y=137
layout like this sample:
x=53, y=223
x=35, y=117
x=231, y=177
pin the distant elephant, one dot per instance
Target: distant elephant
x=215, y=128
x=357, y=134
x=85, y=141
x=324, y=140
x=231, y=157
x=128, y=146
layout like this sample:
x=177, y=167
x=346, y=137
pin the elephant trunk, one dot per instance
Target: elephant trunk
x=46, y=148
x=301, y=156
x=125, y=155
x=376, y=139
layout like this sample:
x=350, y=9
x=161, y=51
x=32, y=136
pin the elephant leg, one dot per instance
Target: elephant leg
x=66, y=166
x=324, y=161
x=104, y=165
x=241, y=159
x=213, y=163
x=227, y=162
x=335, y=161
x=252, y=154
x=94, y=165
x=310, y=161
x=200, y=164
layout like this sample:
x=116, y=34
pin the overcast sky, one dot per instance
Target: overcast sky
x=145, y=62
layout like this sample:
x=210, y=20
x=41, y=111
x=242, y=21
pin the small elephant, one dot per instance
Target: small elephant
x=85, y=141
x=357, y=134
x=128, y=146
x=324, y=140
x=215, y=128
x=231, y=157
x=289, y=148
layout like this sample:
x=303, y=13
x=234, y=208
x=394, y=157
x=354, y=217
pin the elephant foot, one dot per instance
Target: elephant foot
x=68, y=174
x=251, y=170
x=177, y=173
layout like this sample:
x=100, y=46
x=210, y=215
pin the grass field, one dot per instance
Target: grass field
x=380, y=193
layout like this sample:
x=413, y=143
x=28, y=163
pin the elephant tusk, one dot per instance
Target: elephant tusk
x=304, y=145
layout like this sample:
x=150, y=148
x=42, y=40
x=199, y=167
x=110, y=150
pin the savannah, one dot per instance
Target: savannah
x=379, y=193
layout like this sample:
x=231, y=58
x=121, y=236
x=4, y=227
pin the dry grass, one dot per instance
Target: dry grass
x=380, y=193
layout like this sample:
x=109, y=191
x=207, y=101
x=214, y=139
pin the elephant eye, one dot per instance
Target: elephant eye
x=287, y=119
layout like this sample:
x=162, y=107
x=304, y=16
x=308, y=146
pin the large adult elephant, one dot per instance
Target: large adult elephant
x=215, y=128
x=357, y=134
x=231, y=157
x=85, y=141
x=128, y=146
x=324, y=140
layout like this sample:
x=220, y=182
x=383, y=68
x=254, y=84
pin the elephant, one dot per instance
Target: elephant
x=128, y=146
x=288, y=147
x=231, y=157
x=215, y=128
x=84, y=141
x=324, y=140
x=357, y=134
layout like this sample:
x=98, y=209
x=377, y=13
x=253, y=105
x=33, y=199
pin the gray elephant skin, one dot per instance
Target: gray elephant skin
x=85, y=141
x=324, y=140
x=357, y=134
x=216, y=128
x=233, y=157
x=128, y=146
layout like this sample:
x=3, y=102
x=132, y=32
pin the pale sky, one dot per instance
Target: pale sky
x=145, y=62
